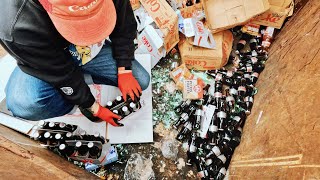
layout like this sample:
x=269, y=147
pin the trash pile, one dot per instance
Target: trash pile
x=214, y=52
x=206, y=57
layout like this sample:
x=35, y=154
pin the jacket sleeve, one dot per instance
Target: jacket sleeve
x=124, y=34
x=53, y=65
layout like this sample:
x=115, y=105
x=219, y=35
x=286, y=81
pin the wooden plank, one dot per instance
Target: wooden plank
x=284, y=143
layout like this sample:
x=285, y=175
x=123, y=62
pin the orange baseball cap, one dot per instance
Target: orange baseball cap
x=82, y=22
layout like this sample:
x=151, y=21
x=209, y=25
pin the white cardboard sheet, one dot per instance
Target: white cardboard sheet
x=137, y=128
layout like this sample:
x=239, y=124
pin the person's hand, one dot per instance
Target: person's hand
x=128, y=84
x=106, y=115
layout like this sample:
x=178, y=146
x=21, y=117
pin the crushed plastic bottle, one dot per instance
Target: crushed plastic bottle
x=169, y=148
x=139, y=168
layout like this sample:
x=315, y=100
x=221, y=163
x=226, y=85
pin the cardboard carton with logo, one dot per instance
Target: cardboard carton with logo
x=166, y=20
x=160, y=37
x=207, y=59
x=225, y=14
x=277, y=14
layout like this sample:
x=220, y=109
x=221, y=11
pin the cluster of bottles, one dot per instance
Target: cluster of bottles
x=230, y=96
x=117, y=106
x=69, y=140
x=124, y=108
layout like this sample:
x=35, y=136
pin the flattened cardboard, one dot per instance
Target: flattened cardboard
x=166, y=19
x=138, y=127
x=276, y=15
x=191, y=11
x=225, y=14
x=207, y=59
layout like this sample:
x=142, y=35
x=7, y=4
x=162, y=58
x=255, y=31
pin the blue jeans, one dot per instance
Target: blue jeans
x=31, y=98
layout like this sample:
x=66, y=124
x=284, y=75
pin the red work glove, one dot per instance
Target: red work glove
x=106, y=115
x=128, y=85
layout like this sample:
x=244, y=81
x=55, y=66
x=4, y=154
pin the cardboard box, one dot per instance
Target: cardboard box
x=225, y=14
x=207, y=59
x=135, y=4
x=166, y=19
x=277, y=14
x=191, y=11
x=150, y=41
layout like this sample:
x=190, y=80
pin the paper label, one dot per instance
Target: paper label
x=216, y=150
x=192, y=148
x=192, y=89
x=221, y=114
x=255, y=74
x=208, y=114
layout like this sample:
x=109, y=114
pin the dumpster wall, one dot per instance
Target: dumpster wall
x=284, y=142
x=22, y=158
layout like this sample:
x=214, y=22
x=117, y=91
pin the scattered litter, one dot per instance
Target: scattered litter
x=169, y=148
x=138, y=168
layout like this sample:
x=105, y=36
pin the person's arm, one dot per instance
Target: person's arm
x=54, y=66
x=124, y=34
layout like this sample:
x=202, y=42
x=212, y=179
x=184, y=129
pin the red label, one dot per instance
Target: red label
x=200, y=63
x=272, y=17
x=147, y=43
x=200, y=27
x=155, y=5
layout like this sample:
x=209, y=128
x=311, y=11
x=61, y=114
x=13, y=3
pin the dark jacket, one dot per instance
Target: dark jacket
x=28, y=34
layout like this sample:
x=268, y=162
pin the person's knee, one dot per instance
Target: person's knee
x=27, y=107
x=144, y=81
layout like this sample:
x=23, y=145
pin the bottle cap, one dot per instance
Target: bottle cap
x=78, y=144
x=124, y=108
x=109, y=103
x=96, y=134
x=36, y=134
x=58, y=136
x=41, y=123
x=119, y=98
x=90, y=144
x=47, y=135
x=69, y=134
x=132, y=105
x=62, y=147
x=62, y=125
x=51, y=124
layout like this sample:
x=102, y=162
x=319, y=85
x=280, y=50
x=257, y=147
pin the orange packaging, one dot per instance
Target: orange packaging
x=193, y=89
x=180, y=74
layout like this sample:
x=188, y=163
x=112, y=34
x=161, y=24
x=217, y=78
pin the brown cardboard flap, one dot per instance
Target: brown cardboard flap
x=275, y=16
x=190, y=10
x=280, y=3
x=225, y=14
x=166, y=19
